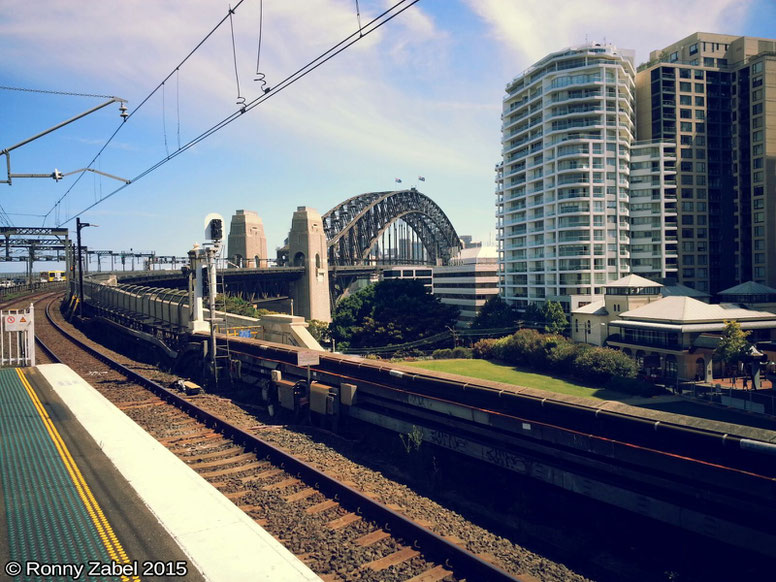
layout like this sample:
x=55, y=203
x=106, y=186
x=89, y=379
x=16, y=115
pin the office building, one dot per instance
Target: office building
x=714, y=97
x=468, y=281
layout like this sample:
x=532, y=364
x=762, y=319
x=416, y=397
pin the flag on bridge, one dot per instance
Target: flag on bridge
x=398, y=180
x=421, y=178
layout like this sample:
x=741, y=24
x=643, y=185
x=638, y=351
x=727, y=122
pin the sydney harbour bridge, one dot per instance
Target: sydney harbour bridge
x=380, y=228
x=386, y=227
x=364, y=233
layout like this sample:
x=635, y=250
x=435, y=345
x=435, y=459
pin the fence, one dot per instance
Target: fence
x=17, y=337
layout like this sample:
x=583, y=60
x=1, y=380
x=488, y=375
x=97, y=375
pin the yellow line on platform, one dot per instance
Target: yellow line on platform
x=104, y=530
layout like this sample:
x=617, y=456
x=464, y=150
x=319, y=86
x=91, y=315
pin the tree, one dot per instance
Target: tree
x=534, y=316
x=554, y=318
x=319, y=330
x=733, y=345
x=495, y=313
x=239, y=306
x=390, y=312
x=602, y=364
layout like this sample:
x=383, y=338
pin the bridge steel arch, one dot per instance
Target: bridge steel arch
x=355, y=225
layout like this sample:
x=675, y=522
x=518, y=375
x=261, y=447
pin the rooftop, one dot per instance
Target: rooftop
x=688, y=310
x=749, y=288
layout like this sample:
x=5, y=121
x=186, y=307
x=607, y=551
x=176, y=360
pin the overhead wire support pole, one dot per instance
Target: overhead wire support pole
x=8, y=150
x=97, y=172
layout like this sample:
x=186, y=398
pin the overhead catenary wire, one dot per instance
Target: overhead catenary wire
x=164, y=123
x=358, y=18
x=260, y=76
x=240, y=98
x=143, y=102
x=373, y=25
x=178, y=103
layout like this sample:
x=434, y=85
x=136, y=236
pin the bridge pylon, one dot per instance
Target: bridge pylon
x=308, y=247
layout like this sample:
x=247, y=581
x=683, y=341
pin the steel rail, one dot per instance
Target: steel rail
x=464, y=563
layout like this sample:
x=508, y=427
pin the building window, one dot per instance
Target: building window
x=700, y=101
x=685, y=87
x=699, y=87
x=685, y=126
x=693, y=48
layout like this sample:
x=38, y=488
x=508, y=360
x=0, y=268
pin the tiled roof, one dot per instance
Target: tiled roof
x=594, y=308
x=687, y=310
x=749, y=288
x=680, y=290
x=633, y=281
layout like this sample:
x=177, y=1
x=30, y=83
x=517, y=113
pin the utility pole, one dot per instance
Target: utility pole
x=211, y=283
x=78, y=227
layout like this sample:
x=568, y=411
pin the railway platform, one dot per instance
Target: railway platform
x=87, y=495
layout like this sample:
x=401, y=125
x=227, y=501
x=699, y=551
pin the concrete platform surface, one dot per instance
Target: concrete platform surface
x=219, y=539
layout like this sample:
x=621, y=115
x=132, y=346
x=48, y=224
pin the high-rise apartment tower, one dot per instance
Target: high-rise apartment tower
x=568, y=124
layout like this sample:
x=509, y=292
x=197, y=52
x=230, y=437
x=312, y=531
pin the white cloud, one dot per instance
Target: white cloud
x=533, y=28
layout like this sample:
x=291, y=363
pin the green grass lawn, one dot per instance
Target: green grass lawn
x=510, y=375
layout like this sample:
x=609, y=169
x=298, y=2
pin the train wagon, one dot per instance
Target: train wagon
x=52, y=276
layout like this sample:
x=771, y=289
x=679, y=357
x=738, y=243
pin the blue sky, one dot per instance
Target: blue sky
x=419, y=97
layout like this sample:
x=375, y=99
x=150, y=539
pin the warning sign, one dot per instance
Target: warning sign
x=16, y=323
x=307, y=358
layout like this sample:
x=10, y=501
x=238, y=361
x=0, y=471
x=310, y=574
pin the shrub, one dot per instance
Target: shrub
x=560, y=353
x=484, y=348
x=601, y=364
x=443, y=354
x=636, y=386
x=462, y=353
x=523, y=347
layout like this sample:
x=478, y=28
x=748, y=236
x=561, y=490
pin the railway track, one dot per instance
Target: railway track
x=340, y=532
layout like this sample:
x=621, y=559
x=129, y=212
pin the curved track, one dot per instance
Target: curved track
x=340, y=532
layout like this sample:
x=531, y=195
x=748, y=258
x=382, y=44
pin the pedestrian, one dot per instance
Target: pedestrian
x=745, y=383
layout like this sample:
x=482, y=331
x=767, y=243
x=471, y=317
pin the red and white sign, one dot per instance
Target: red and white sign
x=16, y=323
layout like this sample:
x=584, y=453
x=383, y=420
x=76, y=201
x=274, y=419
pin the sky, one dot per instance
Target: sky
x=420, y=96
